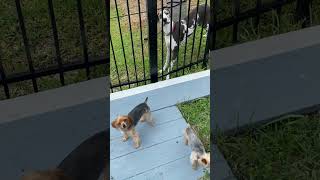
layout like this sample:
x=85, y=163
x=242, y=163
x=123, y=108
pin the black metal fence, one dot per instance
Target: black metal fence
x=136, y=61
x=302, y=13
x=59, y=65
x=141, y=53
x=124, y=76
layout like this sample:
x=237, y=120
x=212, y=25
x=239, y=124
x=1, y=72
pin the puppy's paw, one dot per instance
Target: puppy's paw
x=125, y=138
x=194, y=167
x=151, y=123
x=137, y=145
x=167, y=77
x=186, y=142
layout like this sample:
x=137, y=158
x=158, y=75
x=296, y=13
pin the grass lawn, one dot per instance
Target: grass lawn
x=287, y=149
x=197, y=114
x=38, y=27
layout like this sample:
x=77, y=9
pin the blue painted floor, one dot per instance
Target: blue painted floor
x=162, y=154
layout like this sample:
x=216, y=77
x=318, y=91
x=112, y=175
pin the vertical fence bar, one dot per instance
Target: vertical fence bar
x=152, y=31
x=56, y=41
x=236, y=23
x=83, y=38
x=108, y=37
x=180, y=9
x=185, y=47
x=162, y=51
x=26, y=44
x=303, y=12
x=258, y=7
x=115, y=62
x=132, y=46
x=171, y=35
x=201, y=34
x=212, y=35
x=194, y=36
x=141, y=41
x=124, y=53
x=279, y=10
x=111, y=87
x=3, y=80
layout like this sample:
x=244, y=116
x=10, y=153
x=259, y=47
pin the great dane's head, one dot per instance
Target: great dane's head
x=164, y=16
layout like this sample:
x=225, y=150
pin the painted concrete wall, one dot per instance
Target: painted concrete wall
x=257, y=81
x=43, y=140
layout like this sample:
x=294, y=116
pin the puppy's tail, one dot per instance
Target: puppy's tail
x=145, y=101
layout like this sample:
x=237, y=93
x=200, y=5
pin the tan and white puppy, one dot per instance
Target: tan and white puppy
x=127, y=123
x=198, y=155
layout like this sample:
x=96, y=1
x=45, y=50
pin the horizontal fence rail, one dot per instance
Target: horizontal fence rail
x=60, y=65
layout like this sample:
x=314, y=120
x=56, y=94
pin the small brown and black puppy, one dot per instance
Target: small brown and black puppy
x=127, y=123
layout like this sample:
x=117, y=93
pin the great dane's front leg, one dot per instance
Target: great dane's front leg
x=166, y=64
x=173, y=61
x=207, y=31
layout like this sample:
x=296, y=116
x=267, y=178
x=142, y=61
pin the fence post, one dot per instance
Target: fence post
x=303, y=12
x=152, y=32
x=211, y=39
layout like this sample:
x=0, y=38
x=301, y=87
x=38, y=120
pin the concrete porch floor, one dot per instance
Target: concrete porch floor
x=162, y=154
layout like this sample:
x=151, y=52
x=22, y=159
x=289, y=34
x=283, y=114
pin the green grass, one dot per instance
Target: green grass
x=206, y=176
x=197, y=114
x=287, y=149
x=40, y=37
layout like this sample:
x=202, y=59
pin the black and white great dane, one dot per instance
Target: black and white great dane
x=200, y=18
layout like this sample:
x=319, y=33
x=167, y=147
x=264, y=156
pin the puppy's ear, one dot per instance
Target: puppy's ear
x=168, y=9
x=129, y=120
x=204, y=161
x=114, y=124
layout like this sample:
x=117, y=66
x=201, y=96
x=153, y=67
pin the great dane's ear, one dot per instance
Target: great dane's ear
x=168, y=9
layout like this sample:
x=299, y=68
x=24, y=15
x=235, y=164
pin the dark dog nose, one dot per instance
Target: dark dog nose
x=124, y=125
x=165, y=20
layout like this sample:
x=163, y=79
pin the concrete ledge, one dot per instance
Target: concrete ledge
x=38, y=131
x=162, y=94
x=258, y=81
x=220, y=169
x=159, y=85
x=52, y=100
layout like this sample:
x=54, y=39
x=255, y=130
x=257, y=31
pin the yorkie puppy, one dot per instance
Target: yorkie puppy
x=198, y=155
x=127, y=123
